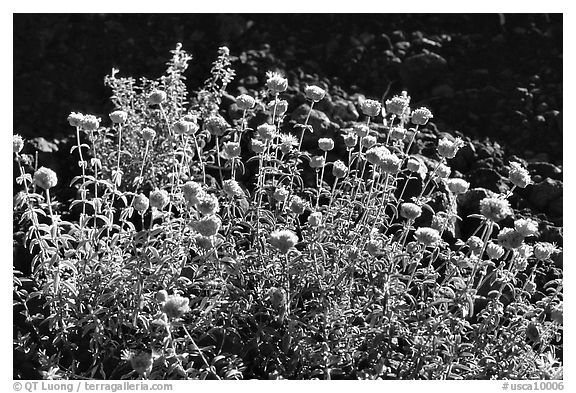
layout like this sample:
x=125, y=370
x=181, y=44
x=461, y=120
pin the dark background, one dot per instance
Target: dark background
x=481, y=74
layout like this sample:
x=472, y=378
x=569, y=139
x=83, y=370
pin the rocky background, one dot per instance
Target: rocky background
x=495, y=80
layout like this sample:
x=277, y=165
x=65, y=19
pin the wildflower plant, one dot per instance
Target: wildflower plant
x=177, y=261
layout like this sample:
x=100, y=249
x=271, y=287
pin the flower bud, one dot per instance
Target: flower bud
x=494, y=251
x=266, y=131
x=185, y=127
x=457, y=186
x=283, y=240
x=361, y=130
x=314, y=93
x=148, y=134
x=297, y=204
x=317, y=162
x=315, y=219
x=281, y=107
x=90, y=123
x=45, y=178
x=18, y=143
x=141, y=203
x=258, y=146
x=276, y=82
x=216, y=125
x=370, y=107
x=339, y=169
x=421, y=116
x=245, y=102
x=543, y=251
x=75, y=119
x=325, y=144
x=518, y=175
x=231, y=150
x=475, y=244
x=232, y=188
x=280, y=194
x=368, y=141
x=495, y=209
x=159, y=199
x=448, y=148
x=157, y=97
x=397, y=133
x=427, y=236
x=410, y=211
x=397, y=105
x=118, y=117
x=350, y=140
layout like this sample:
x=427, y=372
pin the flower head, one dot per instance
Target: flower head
x=266, y=131
x=141, y=362
x=421, y=116
x=518, y=175
x=410, y=211
x=157, y=97
x=339, y=169
x=283, y=240
x=281, y=106
x=350, y=140
x=176, y=306
x=190, y=190
x=398, y=105
x=287, y=143
x=375, y=154
x=75, y=119
x=118, y=117
x=494, y=251
x=159, y=199
x=543, y=250
x=18, y=143
x=277, y=297
x=148, y=134
x=370, y=107
x=161, y=296
x=526, y=227
x=475, y=244
x=141, y=203
x=245, y=102
x=457, y=186
x=90, y=122
x=216, y=125
x=495, y=209
x=443, y=171
x=280, y=194
x=397, y=133
x=45, y=178
x=276, y=82
x=448, y=148
x=297, y=204
x=510, y=238
x=208, y=225
x=258, y=146
x=368, y=141
x=427, y=236
x=232, y=188
x=326, y=144
x=185, y=127
x=315, y=219
x=230, y=150
x=317, y=162
x=207, y=204
x=361, y=130
x=390, y=163
x=314, y=93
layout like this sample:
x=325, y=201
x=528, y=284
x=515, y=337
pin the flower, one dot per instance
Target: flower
x=176, y=306
x=159, y=199
x=495, y=209
x=410, y=211
x=526, y=227
x=368, y=141
x=297, y=204
x=350, y=140
x=443, y=171
x=325, y=144
x=518, y=175
x=280, y=194
x=266, y=131
x=361, y=130
x=118, y=117
x=208, y=225
x=45, y=178
x=375, y=154
x=157, y=97
x=543, y=250
x=398, y=105
x=287, y=143
x=457, y=186
x=277, y=297
x=283, y=240
x=525, y=251
x=448, y=148
x=494, y=251
x=315, y=219
x=161, y=296
x=370, y=107
x=216, y=125
x=148, y=134
x=475, y=244
x=232, y=188
x=440, y=221
x=317, y=162
x=339, y=169
x=245, y=102
x=141, y=203
x=314, y=93
x=230, y=150
x=190, y=190
x=18, y=143
x=141, y=362
x=373, y=247
x=258, y=146
x=397, y=133
x=510, y=238
x=281, y=106
x=207, y=204
x=427, y=236
x=421, y=116
x=90, y=122
x=75, y=119
x=276, y=82
x=185, y=127
x=390, y=163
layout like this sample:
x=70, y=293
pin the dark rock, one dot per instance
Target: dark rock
x=551, y=234
x=545, y=192
x=344, y=110
x=318, y=119
x=44, y=145
x=486, y=178
x=420, y=71
x=545, y=170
